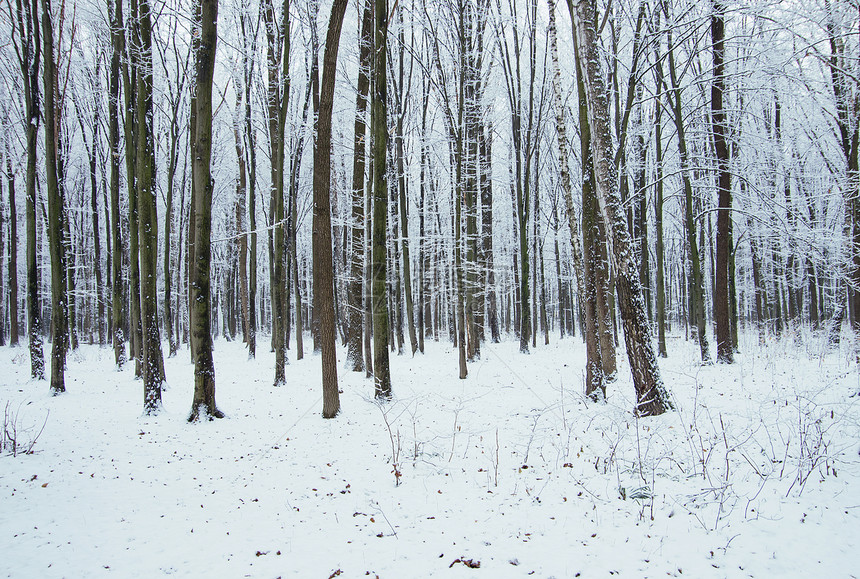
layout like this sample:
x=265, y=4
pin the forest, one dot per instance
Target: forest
x=383, y=200
x=457, y=171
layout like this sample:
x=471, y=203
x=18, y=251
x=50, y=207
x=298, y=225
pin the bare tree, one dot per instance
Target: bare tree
x=322, y=252
x=652, y=396
x=203, y=405
x=59, y=321
x=379, y=132
x=28, y=49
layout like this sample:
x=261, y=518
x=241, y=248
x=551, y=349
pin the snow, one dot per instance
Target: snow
x=511, y=468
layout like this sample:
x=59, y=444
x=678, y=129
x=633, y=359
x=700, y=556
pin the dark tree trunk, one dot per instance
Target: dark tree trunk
x=117, y=302
x=26, y=30
x=722, y=314
x=130, y=71
x=355, y=304
x=379, y=131
x=658, y=208
x=203, y=404
x=152, y=361
x=13, y=258
x=322, y=247
x=278, y=51
x=59, y=321
x=697, y=290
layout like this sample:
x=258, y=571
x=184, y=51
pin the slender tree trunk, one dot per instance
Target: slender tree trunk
x=697, y=290
x=355, y=304
x=97, y=263
x=26, y=29
x=59, y=322
x=379, y=131
x=147, y=218
x=278, y=51
x=203, y=404
x=718, y=115
x=117, y=302
x=241, y=233
x=564, y=155
x=658, y=205
x=129, y=72
x=322, y=250
x=13, y=257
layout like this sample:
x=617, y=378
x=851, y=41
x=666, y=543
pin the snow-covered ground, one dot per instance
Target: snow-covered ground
x=757, y=474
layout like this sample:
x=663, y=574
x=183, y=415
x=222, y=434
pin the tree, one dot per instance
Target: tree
x=718, y=117
x=354, y=292
x=152, y=361
x=697, y=289
x=278, y=52
x=118, y=334
x=322, y=252
x=59, y=321
x=203, y=405
x=651, y=395
x=379, y=133
x=13, y=256
x=130, y=70
x=28, y=48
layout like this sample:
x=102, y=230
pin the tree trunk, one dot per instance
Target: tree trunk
x=379, y=131
x=355, y=304
x=278, y=51
x=652, y=396
x=26, y=28
x=322, y=250
x=203, y=404
x=59, y=322
x=13, y=257
x=658, y=207
x=718, y=116
x=147, y=218
x=117, y=302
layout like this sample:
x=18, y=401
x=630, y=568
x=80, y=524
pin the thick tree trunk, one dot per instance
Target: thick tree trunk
x=652, y=397
x=322, y=249
x=203, y=404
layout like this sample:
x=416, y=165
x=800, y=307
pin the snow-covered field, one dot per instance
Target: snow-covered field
x=757, y=474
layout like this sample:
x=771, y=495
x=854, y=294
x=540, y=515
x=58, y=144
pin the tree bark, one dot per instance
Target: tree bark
x=13, y=258
x=203, y=404
x=355, y=292
x=379, y=130
x=26, y=39
x=278, y=51
x=147, y=218
x=59, y=322
x=652, y=397
x=724, y=193
x=322, y=247
x=697, y=290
